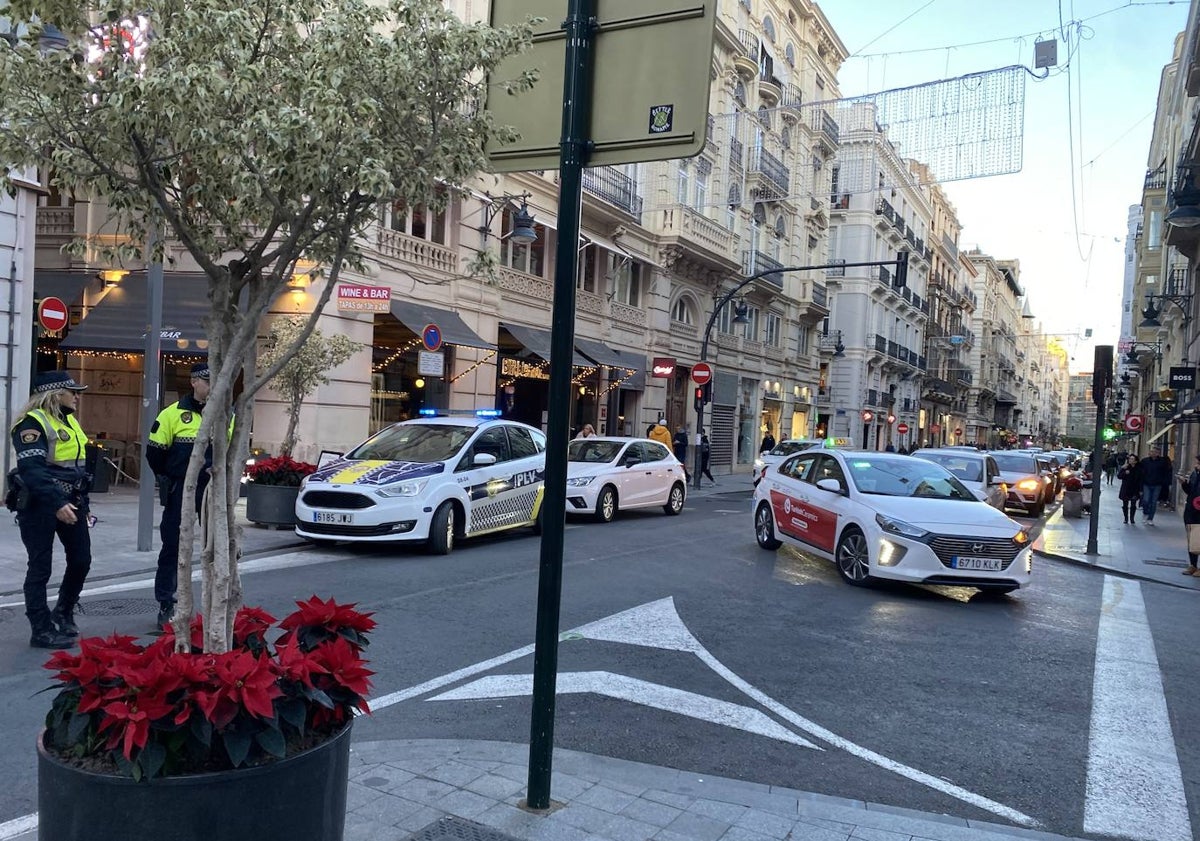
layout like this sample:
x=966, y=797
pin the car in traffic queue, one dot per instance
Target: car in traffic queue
x=1028, y=485
x=784, y=449
x=432, y=480
x=607, y=474
x=978, y=471
x=885, y=515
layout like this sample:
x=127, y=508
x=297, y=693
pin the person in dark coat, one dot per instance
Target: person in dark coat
x=1130, y=491
x=705, y=455
x=1190, y=485
x=680, y=445
x=1156, y=482
x=768, y=443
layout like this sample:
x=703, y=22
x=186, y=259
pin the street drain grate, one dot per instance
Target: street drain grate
x=1166, y=562
x=458, y=829
x=118, y=607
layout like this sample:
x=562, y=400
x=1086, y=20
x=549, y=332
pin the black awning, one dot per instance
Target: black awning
x=454, y=330
x=62, y=283
x=537, y=342
x=599, y=353
x=118, y=321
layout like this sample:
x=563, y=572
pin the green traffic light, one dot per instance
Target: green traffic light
x=1110, y=434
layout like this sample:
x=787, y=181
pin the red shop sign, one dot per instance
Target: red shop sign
x=663, y=367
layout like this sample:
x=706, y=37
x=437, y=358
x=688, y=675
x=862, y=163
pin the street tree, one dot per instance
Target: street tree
x=249, y=134
x=305, y=370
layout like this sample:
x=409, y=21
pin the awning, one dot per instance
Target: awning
x=1159, y=434
x=599, y=353
x=636, y=363
x=537, y=342
x=118, y=321
x=1190, y=413
x=415, y=316
x=62, y=283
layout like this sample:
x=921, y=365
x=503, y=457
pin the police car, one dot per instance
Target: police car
x=884, y=515
x=431, y=480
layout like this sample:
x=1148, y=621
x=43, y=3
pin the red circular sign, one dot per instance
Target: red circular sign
x=958, y=431
x=431, y=337
x=902, y=428
x=1133, y=423
x=701, y=373
x=52, y=314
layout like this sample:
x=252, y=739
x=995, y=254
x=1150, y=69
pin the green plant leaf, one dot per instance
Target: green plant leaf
x=202, y=730
x=151, y=758
x=272, y=741
x=294, y=712
x=77, y=727
x=237, y=746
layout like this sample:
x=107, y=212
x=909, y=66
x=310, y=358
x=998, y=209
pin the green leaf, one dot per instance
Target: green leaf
x=202, y=730
x=294, y=712
x=77, y=727
x=151, y=758
x=237, y=746
x=272, y=741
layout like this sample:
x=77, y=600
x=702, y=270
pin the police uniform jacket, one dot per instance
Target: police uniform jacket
x=173, y=436
x=51, y=457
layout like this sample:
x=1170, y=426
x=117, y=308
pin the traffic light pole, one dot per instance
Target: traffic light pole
x=901, y=264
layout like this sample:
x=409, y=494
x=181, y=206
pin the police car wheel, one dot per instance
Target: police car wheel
x=764, y=528
x=441, y=530
x=606, y=504
x=853, y=558
x=674, y=504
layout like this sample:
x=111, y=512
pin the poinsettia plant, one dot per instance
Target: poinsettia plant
x=149, y=710
x=281, y=470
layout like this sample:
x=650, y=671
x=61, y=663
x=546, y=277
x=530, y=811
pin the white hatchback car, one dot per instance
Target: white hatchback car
x=433, y=480
x=610, y=474
x=883, y=515
x=977, y=470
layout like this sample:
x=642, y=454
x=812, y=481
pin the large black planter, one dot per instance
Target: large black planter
x=271, y=505
x=301, y=798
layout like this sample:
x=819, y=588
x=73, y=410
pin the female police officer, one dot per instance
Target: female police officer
x=51, y=449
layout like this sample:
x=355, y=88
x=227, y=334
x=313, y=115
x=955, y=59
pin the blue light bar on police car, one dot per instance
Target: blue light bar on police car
x=487, y=413
x=427, y=413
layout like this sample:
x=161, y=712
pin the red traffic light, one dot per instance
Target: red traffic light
x=867, y=415
x=891, y=418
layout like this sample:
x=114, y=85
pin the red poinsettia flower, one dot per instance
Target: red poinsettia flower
x=241, y=681
x=328, y=615
x=339, y=658
x=293, y=663
x=130, y=721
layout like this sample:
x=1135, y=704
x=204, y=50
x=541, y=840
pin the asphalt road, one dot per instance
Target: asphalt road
x=724, y=659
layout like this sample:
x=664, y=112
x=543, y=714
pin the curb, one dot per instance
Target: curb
x=1108, y=570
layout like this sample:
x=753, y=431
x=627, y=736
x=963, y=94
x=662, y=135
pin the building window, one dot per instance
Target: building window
x=785, y=138
x=774, y=327
x=530, y=258
x=735, y=201
x=750, y=331
x=627, y=281
x=725, y=319
x=419, y=221
x=739, y=93
x=589, y=268
x=682, y=312
x=703, y=172
x=804, y=338
x=789, y=55
x=820, y=83
x=833, y=180
x=1154, y=232
x=769, y=28
x=683, y=182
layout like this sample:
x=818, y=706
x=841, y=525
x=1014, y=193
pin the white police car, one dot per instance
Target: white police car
x=883, y=515
x=433, y=479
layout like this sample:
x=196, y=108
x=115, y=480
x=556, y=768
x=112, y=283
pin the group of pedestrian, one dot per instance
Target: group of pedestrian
x=49, y=489
x=1143, y=484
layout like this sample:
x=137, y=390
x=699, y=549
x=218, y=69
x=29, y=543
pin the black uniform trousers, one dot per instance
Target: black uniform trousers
x=38, y=527
x=166, y=577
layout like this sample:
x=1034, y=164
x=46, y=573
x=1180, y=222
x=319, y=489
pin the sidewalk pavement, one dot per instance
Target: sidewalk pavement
x=1148, y=552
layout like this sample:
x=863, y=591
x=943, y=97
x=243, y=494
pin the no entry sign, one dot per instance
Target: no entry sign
x=701, y=373
x=902, y=428
x=52, y=314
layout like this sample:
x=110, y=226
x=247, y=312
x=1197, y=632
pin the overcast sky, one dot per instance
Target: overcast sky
x=1097, y=106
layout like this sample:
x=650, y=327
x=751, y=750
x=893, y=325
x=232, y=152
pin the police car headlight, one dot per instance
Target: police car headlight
x=304, y=481
x=579, y=481
x=759, y=464
x=894, y=526
x=402, y=489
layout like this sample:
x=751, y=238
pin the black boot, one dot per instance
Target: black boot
x=166, y=612
x=64, y=620
x=45, y=635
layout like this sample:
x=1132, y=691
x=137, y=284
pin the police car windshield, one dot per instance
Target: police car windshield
x=593, y=452
x=416, y=442
x=905, y=477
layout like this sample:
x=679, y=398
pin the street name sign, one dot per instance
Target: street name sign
x=649, y=102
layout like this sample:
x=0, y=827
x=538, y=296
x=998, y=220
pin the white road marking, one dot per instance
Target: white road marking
x=625, y=688
x=446, y=679
x=18, y=826
x=290, y=560
x=658, y=625
x=1134, y=784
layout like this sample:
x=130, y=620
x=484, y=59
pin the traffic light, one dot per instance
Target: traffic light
x=1109, y=433
x=867, y=415
x=891, y=418
x=901, y=269
x=1102, y=376
x=703, y=395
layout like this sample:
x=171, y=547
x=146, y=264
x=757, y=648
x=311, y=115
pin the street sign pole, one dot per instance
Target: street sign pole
x=1101, y=382
x=577, y=93
x=151, y=366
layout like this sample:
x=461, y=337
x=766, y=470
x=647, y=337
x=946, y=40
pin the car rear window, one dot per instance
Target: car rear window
x=1012, y=463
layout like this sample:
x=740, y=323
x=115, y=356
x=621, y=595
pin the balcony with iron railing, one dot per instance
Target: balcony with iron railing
x=830, y=129
x=737, y=156
x=615, y=187
x=836, y=271
x=950, y=247
x=754, y=262
x=745, y=61
x=883, y=274
x=793, y=96
x=770, y=87
x=872, y=397
x=820, y=295
x=771, y=170
x=884, y=208
x=1156, y=179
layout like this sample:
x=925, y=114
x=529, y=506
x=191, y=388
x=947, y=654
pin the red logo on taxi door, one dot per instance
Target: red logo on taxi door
x=804, y=522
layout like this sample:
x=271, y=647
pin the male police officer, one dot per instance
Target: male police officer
x=170, y=449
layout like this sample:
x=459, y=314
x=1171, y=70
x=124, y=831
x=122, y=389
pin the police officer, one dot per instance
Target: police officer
x=51, y=468
x=168, y=453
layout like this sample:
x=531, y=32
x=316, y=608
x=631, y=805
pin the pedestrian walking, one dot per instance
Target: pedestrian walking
x=1190, y=484
x=1110, y=467
x=661, y=434
x=768, y=443
x=705, y=455
x=587, y=432
x=169, y=450
x=680, y=444
x=51, y=498
x=1156, y=482
x=1130, y=490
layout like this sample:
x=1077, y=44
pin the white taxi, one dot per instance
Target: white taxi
x=884, y=515
x=610, y=474
x=783, y=449
x=431, y=480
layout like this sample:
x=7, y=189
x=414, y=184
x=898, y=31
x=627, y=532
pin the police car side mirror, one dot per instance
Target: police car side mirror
x=483, y=459
x=830, y=485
